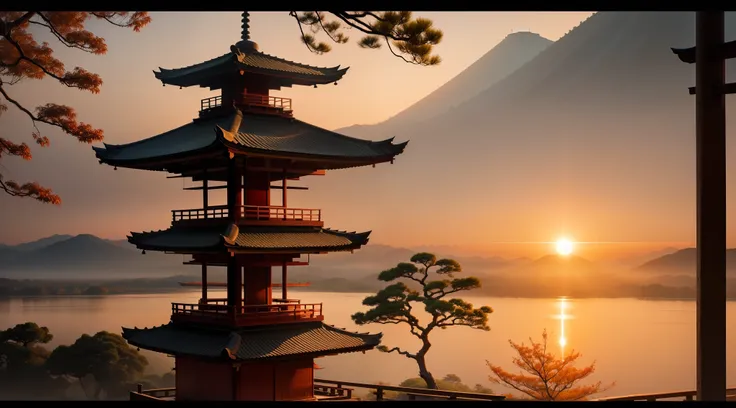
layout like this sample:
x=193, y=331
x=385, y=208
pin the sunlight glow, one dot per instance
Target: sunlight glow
x=564, y=246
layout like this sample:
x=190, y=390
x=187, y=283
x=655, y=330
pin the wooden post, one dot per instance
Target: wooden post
x=234, y=285
x=283, y=190
x=234, y=191
x=283, y=281
x=710, y=126
x=204, y=280
x=205, y=193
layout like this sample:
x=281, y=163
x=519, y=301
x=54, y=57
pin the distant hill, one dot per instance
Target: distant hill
x=87, y=253
x=552, y=261
x=39, y=243
x=683, y=261
x=82, y=254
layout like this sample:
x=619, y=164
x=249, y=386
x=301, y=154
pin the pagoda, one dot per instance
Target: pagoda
x=249, y=345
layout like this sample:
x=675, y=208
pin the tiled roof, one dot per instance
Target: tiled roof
x=307, y=239
x=313, y=338
x=260, y=134
x=284, y=135
x=250, y=61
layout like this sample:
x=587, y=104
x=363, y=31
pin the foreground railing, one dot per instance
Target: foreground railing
x=681, y=395
x=216, y=311
x=249, y=213
x=379, y=390
x=343, y=390
x=156, y=394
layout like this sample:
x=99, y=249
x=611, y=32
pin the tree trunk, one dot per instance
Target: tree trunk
x=424, y=373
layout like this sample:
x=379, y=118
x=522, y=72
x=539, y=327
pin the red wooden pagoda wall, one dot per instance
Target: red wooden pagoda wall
x=280, y=381
x=201, y=380
x=257, y=189
x=198, y=380
x=257, y=285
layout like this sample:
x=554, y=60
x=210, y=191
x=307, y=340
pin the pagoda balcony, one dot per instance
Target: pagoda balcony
x=263, y=104
x=217, y=312
x=253, y=215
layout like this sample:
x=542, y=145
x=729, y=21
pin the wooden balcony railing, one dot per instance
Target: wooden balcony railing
x=214, y=212
x=251, y=102
x=267, y=101
x=217, y=311
x=676, y=395
x=210, y=103
x=252, y=212
x=256, y=214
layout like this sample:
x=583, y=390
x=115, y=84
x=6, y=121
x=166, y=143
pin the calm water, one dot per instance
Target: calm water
x=645, y=346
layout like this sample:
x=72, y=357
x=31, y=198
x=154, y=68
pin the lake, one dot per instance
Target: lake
x=645, y=346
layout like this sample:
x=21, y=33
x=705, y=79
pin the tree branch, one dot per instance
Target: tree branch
x=399, y=351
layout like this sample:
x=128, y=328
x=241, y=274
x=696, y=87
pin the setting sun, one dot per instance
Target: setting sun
x=564, y=246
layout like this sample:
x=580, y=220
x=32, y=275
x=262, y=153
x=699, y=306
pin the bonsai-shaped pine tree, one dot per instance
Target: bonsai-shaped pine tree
x=546, y=377
x=395, y=304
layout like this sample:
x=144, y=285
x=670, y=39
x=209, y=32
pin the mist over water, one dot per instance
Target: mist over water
x=645, y=346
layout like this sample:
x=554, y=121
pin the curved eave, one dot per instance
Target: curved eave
x=137, y=239
x=204, y=73
x=686, y=55
x=260, y=344
x=689, y=55
x=292, y=78
x=154, y=162
x=229, y=139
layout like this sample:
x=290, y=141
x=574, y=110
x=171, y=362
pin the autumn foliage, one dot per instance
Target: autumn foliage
x=22, y=57
x=544, y=376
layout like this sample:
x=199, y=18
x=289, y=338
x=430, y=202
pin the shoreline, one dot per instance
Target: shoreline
x=70, y=287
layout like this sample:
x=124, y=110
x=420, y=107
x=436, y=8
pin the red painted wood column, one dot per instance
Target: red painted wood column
x=711, y=206
x=204, y=280
x=234, y=190
x=283, y=281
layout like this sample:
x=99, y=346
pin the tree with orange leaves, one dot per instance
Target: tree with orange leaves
x=546, y=377
x=22, y=57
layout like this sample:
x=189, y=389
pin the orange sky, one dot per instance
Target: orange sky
x=133, y=105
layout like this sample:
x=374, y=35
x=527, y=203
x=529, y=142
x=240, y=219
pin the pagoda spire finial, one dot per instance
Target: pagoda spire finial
x=245, y=44
x=245, y=33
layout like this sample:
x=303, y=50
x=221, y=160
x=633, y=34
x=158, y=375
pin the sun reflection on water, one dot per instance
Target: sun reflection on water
x=563, y=305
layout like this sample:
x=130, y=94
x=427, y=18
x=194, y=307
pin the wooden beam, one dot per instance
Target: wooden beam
x=208, y=187
x=687, y=55
x=710, y=146
x=727, y=89
x=289, y=187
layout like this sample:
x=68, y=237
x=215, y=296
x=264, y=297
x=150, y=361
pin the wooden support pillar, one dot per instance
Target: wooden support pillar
x=283, y=190
x=234, y=190
x=205, y=193
x=234, y=284
x=283, y=281
x=711, y=206
x=204, y=280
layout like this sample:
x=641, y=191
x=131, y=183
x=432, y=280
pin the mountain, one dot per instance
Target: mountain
x=507, y=56
x=82, y=254
x=683, y=261
x=40, y=243
x=596, y=129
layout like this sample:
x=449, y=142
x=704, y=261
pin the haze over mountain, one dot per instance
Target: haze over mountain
x=93, y=260
x=506, y=57
x=594, y=137
x=683, y=261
